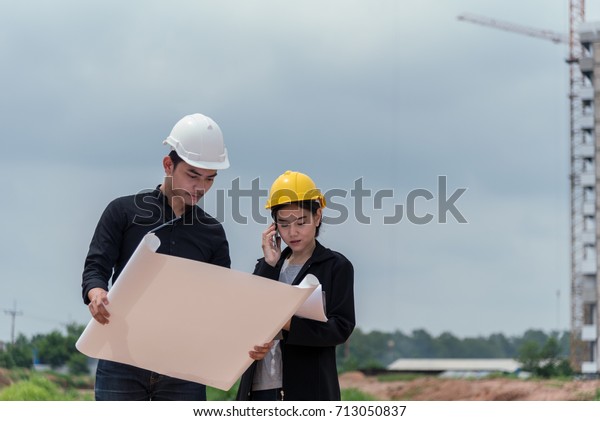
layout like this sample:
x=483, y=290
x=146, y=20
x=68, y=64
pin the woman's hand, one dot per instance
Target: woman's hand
x=259, y=352
x=271, y=245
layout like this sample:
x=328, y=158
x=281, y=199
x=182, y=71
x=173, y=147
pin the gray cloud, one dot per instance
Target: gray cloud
x=395, y=92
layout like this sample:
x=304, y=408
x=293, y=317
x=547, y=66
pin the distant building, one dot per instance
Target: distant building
x=455, y=367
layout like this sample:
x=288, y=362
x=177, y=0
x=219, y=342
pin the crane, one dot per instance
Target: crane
x=576, y=81
x=555, y=37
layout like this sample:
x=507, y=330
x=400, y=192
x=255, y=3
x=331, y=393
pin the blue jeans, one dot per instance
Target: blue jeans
x=122, y=382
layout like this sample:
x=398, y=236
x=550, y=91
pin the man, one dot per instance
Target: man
x=184, y=230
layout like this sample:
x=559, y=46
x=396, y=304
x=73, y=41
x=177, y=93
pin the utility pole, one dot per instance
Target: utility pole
x=558, y=310
x=13, y=314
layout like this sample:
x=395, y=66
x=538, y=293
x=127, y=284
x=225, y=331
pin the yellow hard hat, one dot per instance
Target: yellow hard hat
x=292, y=186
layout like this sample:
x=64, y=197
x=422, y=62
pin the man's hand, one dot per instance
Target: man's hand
x=97, y=305
x=260, y=351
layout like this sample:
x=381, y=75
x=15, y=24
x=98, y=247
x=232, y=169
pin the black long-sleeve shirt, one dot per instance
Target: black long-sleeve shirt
x=126, y=220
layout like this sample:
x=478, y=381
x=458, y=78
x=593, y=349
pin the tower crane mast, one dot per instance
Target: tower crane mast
x=579, y=347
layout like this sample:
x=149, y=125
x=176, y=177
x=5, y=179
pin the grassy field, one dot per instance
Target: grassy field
x=25, y=385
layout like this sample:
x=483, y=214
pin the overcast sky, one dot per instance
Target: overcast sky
x=393, y=94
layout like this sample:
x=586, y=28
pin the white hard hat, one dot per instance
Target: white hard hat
x=198, y=140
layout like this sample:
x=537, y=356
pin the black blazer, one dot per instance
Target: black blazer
x=308, y=349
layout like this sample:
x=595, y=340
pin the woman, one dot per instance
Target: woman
x=301, y=365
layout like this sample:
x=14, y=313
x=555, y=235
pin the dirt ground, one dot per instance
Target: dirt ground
x=438, y=389
x=4, y=380
x=428, y=388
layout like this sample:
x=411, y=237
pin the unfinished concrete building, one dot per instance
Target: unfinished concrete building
x=585, y=206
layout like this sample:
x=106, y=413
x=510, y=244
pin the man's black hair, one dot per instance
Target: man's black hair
x=175, y=158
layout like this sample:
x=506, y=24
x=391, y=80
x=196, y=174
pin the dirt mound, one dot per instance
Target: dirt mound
x=438, y=389
x=4, y=379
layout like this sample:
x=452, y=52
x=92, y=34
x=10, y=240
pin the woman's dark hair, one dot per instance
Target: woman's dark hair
x=175, y=158
x=309, y=205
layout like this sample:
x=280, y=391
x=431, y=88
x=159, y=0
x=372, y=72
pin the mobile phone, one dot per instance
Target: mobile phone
x=274, y=238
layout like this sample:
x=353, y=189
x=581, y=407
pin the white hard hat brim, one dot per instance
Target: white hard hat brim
x=207, y=165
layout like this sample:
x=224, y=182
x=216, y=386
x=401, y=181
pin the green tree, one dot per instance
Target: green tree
x=424, y=343
x=21, y=352
x=52, y=349
x=360, y=349
x=376, y=348
x=77, y=363
x=501, y=346
x=6, y=360
x=544, y=361
x=565, y=343
x=448, y=346
x=74, y=331
x=404, y=346
x=552, y=363
x=532, y=335
x=529, y=356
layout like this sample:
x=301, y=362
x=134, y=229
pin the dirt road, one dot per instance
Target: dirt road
x=438, y=389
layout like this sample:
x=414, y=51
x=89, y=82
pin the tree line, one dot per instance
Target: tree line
x=54, y=349
x=364, y=350
x=377, y=349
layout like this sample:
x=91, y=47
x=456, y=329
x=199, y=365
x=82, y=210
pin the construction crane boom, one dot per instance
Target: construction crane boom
x=585, y=351
x=555, y=37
